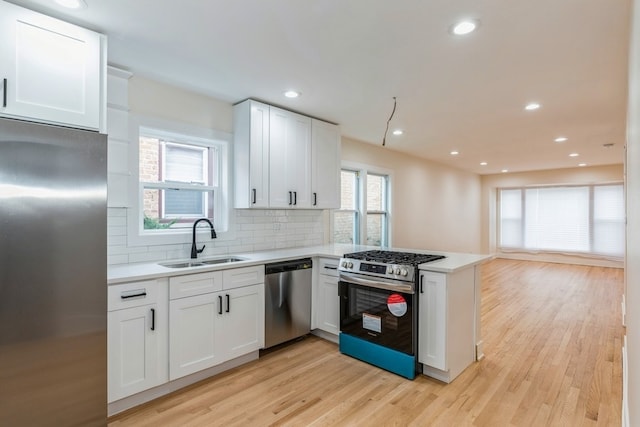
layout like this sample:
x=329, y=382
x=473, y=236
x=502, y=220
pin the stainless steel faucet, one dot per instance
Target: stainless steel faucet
x=194, y=248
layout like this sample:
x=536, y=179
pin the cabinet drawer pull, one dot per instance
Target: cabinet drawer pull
x=134, y=294
x=295, y=197
x=290, y=198
x=4, y=93
x=421, y=281
x=253, y=196
x=315, y=199
x=153, y=319
x=330, y=268
x=228, y=303
x=219, y=304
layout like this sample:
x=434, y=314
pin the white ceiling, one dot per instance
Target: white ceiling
x=350, y=58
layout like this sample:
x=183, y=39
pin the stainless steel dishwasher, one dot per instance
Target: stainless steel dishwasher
x=287, y=300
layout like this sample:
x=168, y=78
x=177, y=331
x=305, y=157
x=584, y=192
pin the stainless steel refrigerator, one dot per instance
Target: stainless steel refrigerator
x=53, y=292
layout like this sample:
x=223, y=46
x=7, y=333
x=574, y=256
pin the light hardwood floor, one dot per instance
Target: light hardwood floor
x=552, y=341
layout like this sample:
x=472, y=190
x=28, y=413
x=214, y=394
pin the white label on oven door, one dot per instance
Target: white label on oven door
x=397, y=305
x=371, y=322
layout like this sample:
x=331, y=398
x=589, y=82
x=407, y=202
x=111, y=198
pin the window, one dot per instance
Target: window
x=363, y=217
x=580, y=219
x=182, y=175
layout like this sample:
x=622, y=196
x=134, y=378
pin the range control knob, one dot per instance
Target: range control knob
x=349, y=265
x=396, y=271
x=404, y=272
x=389, y=270
x=344, y=264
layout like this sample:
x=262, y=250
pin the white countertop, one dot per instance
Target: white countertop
x=152, y=270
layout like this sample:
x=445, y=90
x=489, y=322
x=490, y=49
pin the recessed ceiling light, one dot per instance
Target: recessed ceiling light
x=398, y=132
x=464, y=27
x=574, y=155
x=532, y=106
x=455, y=153
x=505, y=170
x=72, y=4
x=582, y=165
x=561, y=139
x=483, y=163
x=292, y=94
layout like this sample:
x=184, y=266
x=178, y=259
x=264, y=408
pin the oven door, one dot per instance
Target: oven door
x=385, y=316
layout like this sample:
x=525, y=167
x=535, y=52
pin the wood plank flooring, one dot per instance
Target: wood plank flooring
x=552, y=340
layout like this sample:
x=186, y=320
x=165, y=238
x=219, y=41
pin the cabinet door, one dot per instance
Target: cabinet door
x=432, y=330
x=290, y=159
x=133, y=347
x=242, y=321
x=325, y=168
x=328, y=304
x=193, y=343
x=52, y=69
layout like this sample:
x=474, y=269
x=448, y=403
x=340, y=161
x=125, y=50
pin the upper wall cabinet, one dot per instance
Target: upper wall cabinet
x=325, y=169
x=50, y=71
x=284, y=159
x=251, y=154
x=289, y=160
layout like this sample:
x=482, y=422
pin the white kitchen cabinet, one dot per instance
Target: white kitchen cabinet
x=50, y=71
x=284, y=160
x=214, y=317
x=327, y=300
x=241, y=326
x=137, y=324
x=289, y=160
x=193, y=342
x=251, y=154
x=446, y=323
x=325, y=167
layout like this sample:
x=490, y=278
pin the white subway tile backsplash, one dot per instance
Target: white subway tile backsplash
x=255, y=230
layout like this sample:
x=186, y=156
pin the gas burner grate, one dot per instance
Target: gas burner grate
x=393, y=257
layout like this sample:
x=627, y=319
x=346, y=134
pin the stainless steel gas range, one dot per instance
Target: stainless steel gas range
x=379, y=308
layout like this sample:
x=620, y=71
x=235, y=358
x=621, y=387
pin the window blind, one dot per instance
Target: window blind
x=579, y=219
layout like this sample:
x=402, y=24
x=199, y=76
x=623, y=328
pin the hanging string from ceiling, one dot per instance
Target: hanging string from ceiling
x=384, y=138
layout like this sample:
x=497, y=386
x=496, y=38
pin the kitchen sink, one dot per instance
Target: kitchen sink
x=222, y=260
x=181, y=264
x=200, y=263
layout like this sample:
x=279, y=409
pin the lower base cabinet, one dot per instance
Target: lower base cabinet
x=137, y=337
x=214, y=317
x=327, y=301
x=446, y=341
x=206, y=330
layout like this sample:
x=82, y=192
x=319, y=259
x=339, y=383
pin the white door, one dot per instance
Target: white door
x=50, y=70
x=328, y=307
x=325, y=156
x=133, y=351
x=432, y=330
x=242, y=325
x=290, y=159
x=193, y=343
x=259, y=156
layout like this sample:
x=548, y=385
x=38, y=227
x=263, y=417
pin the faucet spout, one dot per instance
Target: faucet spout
x=194, y=247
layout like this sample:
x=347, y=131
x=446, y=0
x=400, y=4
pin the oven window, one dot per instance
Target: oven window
x=378, y=315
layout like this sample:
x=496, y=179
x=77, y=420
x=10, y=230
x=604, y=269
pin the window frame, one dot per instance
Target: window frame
x=363, y=171
x=176, y=132
x=591, y=221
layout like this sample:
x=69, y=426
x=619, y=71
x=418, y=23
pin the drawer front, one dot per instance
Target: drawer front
x=195, y=284
x=239, y=277
x=134, y=294
x=328, y=266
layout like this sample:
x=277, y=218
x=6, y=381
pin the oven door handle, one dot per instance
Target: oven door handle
x=378, y=283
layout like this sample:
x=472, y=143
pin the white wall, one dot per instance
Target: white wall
x=570, y=176
x=434, y=207
x=633, y=225
x=252, y=230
